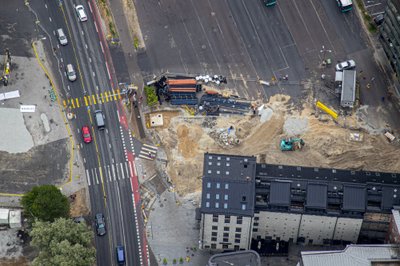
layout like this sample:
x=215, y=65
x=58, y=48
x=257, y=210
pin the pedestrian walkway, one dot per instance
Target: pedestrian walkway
x=109, y=173
x=148, y=152
x=102, y=97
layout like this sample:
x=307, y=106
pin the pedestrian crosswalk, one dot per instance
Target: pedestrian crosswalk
x=87, y=100
x=110, y=173
x=148, y=152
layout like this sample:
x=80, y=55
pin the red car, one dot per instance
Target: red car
x=87, y=138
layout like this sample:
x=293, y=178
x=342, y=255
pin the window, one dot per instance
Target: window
x=225, y=205
x=219, y=164
x=226, y=186
x=218, y=185
x=206, y=246
x=243, y=206
x=227, y=219
x=225, y=240
x=207, y=204
x=255, y=229
x=228, y=159
x=208, y=185
x=226, y=197
x=237, y=240
x=209, y=163
x=209, y=171
x=239, y=220
x=208, y=195
x=238, y=230
x=225, y=246
x=217, y=196
x=236, y=247
x=227, y=172
x=243, y=198
x=215, y=218
x=214, y=233
x=215, y=228
x=226, y=234
x=217, y=205
x=255, y=224
x=218, y=158
x=213, y=246
x=228, y=164
x=213, y=239
x=256, y=218
x=210, y=157
x=237, y=235
x=218, y=172
x=226, y=228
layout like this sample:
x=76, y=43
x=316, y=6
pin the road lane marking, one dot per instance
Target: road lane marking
x=113, y=172
x=88, y=177
x=102, y=98
x=109, y=173
x=77, y=102
x=106, y=95
x=72, y=102
x=65, y=104
x=86, y=100
x=119, y=94
x=94, y=99
x=122, y=171
x=126, y=168
x=118, y=176
x=97, y=178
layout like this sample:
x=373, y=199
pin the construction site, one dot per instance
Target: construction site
x=277, y=132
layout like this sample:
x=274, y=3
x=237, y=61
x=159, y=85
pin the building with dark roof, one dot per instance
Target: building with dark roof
x=293, y=204
x=390, y=34
x=246, y=257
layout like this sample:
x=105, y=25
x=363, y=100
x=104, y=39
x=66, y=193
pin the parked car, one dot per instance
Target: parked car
x=100, y=224
x=80, y=11
x=350, y=64
x=87, y=137
x=379, y=19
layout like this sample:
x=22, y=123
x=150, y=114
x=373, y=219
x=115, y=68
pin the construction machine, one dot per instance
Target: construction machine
x=292, y=144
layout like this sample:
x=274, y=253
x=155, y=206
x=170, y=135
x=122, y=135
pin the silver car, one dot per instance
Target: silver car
x=80, y=11
x=350, y=64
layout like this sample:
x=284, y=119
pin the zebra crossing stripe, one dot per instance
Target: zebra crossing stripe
x=109, y=173
x=122, y=171
x=150, y=147
x=97, y=178
x=88, y=177
x=149, y=150
x=113, y=171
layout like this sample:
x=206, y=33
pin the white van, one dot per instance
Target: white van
x=61, y=37
x=71, y=72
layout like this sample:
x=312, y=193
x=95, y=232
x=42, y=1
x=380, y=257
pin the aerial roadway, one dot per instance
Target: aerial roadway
x=100, y=127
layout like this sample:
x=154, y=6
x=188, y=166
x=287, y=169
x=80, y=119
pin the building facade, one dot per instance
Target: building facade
x=390, y=34
x=292, y=204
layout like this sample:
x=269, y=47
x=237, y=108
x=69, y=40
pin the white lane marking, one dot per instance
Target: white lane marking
x=97, y=178
x=112, y=160
x=62, y=60
x=86, y=46
x=126, y=168
x=45, y=5
x=101, y=46
x=84, y=160
x=120, y=128
x=50, y=19
x=90, y=7
x=122, y=171
x=95, y=25
x=122, y=219
x=82, y=33
x=113, y=171
x=90, y=60
x=131, y=169
x=116, y=170
x=94, y=74
x=149, y=146
x=108, y=71
x=134, y=168
x=87, y=177
x=109, y=173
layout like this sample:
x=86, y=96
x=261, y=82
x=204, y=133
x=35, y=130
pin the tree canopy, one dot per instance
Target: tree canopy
x=62, y=242
x=45, y=203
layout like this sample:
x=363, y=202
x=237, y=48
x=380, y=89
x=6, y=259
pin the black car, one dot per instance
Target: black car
x=100, y=224
x=379, y=19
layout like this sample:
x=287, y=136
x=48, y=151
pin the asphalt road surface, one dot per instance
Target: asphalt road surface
x=246, y=41
x=108, y=160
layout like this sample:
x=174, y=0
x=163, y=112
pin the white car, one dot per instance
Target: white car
x=80, y=11
x=350, y=64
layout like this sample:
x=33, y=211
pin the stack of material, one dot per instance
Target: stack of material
x=182, y=91
x=215, y=104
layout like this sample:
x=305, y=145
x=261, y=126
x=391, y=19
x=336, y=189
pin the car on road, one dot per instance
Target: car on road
x=80, y=11
x=71, y=74
x=349, y=64
x=100, y=224
x=120, y=255
x=87, y=137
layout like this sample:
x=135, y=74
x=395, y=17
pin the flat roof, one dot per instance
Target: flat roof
x=317, y=196
x=246, y=257
x=354, y=198
x=348, y=86
x=228, y=184
x=352, y=255
x=280, y=194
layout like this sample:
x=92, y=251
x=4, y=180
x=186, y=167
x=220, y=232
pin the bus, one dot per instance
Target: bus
x=270, y=2
x=345, y=5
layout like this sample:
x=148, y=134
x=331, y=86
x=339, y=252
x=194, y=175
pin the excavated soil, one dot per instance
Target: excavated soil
x=328, y=144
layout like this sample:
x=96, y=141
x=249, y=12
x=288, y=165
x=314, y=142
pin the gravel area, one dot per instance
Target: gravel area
x=295, y=126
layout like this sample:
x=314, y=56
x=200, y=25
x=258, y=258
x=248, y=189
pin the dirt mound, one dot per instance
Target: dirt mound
x=78, y=204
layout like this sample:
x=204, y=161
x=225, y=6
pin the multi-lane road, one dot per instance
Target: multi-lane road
x=109, y=159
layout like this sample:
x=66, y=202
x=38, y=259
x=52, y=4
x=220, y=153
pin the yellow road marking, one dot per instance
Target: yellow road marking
x=106, y=95
x=102, y=98
x=98, y=98
x=114, y=95
x=86, y=100
x=90, y=101
x=119, y=94
x=94, y=99
x=77, y=102
x=72, y=103
x=65, y=104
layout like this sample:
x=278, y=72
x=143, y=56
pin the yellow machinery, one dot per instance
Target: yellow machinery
x=7, y=68
x=190, y=110
x=327, y=110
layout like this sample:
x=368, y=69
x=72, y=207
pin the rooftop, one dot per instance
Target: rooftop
x=248, y=258
x=348, y=85
x=228, y=184
x=353, y=255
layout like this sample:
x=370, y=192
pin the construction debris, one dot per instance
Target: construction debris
x=225, y=137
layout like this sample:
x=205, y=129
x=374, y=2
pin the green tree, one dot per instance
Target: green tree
x=45, y=203
x=62, y=242
x=151, y=95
